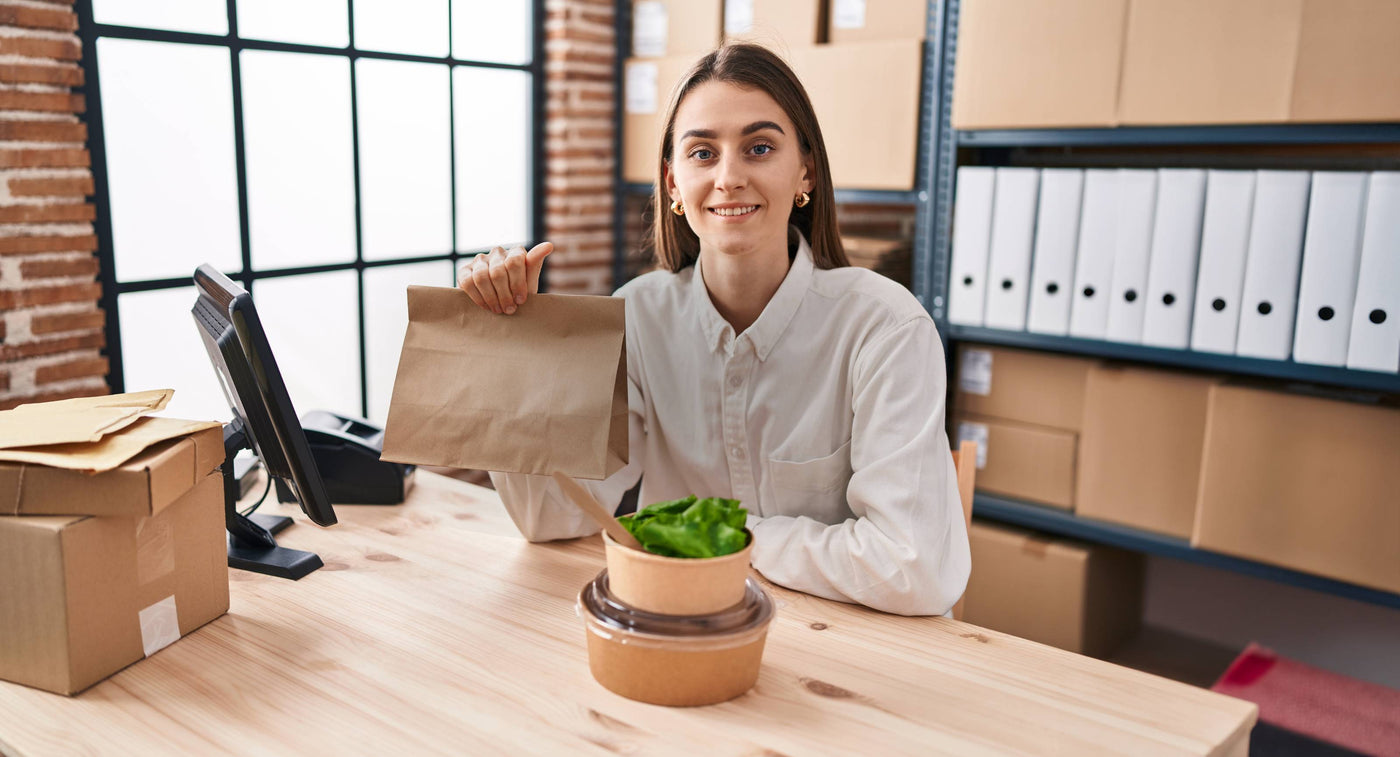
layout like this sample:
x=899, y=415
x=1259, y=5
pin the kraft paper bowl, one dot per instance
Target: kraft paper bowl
x=670, y=660
x=676, y=585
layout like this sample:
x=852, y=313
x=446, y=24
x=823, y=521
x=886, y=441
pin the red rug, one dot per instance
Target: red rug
x=1358, y=715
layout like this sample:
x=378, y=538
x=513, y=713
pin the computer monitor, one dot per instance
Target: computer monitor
x=263, y=420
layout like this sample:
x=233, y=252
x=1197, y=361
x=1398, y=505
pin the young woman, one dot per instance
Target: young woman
x=762, y=367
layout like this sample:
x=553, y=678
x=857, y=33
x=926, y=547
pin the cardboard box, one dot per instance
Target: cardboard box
x=779, y=25
x=866, y=96
x=1019, y=460
x=1026, y=63
x=863, y=21
x=1348, y=66
x=1209, y=61
x=1081, y=597
x=83, y=597
x=647, y=87
x=1039, y=388
x=142, y=486
x=1303, y=482
x=1140, y=447
x=662, y=28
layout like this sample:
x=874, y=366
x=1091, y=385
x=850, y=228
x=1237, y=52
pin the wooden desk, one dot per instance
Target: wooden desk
x=435, y=628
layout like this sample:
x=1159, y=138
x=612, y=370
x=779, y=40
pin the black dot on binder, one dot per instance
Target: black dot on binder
x=967, y=281
x=1006, y=283
x=1265, y=308
x=1130, y=295
x=1088, y=291
x=1168, y=298
x=1377, y=316
x=1052, y=287
x=1217, y=305
x=1326, y=313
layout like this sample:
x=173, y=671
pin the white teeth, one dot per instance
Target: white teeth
x=734, y=211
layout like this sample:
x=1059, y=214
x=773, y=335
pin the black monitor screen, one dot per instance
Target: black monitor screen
x=233, y=335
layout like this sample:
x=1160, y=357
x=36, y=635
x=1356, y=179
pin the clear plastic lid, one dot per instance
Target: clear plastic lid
x=597, y=605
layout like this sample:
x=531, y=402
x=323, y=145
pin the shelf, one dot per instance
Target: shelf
x=1253, y=134
x=1201, y=361
x=870, y=196
x=1005, y=510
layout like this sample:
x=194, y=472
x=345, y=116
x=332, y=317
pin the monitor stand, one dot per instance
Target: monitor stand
x=250, y=543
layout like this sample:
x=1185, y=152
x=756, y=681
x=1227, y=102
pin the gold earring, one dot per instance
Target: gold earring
x=802, y=200
x=677, y=207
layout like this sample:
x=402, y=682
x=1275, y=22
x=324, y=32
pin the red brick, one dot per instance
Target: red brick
x=43, y=131
x=13, y=402
x=59, y=243
x=58, y=322
x=38, y=18
x=49, y=295
x=86, y=367
x=47, y=269
x=54, y=158
x=4, y=381
x=66, y=75
x=48, y=102
x=31, y=47
x=59, y=213
x=78, y=186
x=93, y=340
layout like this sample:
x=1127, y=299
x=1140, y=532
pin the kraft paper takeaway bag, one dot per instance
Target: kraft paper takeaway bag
x=539, y=391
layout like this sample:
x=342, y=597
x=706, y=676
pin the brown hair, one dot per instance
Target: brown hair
x=751, y=67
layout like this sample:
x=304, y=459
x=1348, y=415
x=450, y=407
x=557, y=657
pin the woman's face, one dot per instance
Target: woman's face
x=736, y=166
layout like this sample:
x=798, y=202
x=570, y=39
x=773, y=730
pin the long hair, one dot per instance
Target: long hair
x=751, y=67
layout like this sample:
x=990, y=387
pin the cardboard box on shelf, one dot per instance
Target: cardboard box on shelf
x=1209, y=61
x=888, y=257
x=1081, y=597
x=862, y=21
x=1348, y=66
x=142, y=486
x=866, y=96
x=662, y=28
x=1034, y=463
x=82, y=597
x=779, y=25
x=1021, y=385
x=647, y=86
x=1302, y=482
x=1038, y=63
x=1140, y=447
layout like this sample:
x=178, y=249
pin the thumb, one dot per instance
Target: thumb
x=534, y=263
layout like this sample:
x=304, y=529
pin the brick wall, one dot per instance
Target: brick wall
x=51, y=329
x=580, y=49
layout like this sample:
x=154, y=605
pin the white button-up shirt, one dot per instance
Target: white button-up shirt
x=825, y=418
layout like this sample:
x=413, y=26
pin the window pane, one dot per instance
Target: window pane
x=168, y=117
x=386, y=318
x=493, y=156
x=297, y=142
x=312, y=323
x=161, y=348
x=405, y=184
x=308, y=22
x=206, y=16
x=415, y=27
x=491, y=30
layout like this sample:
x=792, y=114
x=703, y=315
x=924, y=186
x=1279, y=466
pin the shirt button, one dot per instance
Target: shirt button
x=735, y=381
x=738, y=453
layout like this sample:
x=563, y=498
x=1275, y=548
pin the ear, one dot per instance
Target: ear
x=668, y=180
x=808, y=181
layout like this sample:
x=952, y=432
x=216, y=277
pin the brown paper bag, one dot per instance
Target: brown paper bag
x=539, y=391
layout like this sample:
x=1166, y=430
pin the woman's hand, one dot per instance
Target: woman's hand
x=501, y=279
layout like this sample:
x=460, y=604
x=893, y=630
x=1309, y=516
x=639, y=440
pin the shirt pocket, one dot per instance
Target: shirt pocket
x=815, y=487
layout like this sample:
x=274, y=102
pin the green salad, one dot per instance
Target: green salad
x=690, y=527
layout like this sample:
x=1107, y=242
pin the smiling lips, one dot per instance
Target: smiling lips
x=735, y=211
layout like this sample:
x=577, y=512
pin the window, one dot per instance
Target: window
x=325, y=154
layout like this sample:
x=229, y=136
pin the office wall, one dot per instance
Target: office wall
x=51, y=329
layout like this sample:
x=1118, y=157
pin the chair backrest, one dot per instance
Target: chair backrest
x=965, y=464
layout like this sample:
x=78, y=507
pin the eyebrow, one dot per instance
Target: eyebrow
x=750, y=129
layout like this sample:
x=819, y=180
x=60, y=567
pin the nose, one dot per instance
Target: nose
x=730, y=174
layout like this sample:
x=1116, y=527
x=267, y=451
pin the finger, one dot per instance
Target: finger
x=534, y=263
x=481, y=277
x=469, y=287
x=501, y=280
x=516, y=269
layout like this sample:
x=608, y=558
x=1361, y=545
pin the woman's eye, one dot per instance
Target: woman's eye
x=702, y=154
x=762, y=149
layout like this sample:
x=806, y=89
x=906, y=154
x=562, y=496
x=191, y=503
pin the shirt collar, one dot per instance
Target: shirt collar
x=776, y=315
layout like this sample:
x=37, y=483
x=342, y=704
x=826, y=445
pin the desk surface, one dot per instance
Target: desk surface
x=435, y=628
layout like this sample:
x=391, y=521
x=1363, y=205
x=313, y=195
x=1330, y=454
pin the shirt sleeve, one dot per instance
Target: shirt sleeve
x=906, y=551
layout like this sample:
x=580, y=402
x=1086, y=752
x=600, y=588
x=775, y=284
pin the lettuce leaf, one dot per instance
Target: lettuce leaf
x=690, y=527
